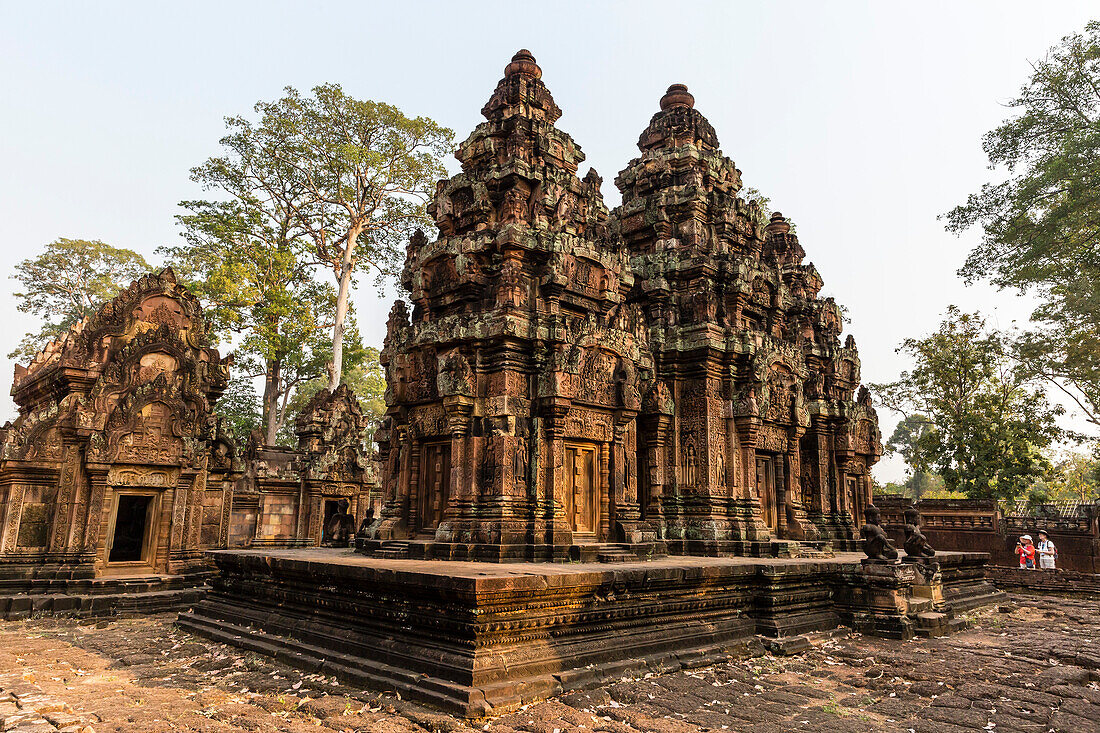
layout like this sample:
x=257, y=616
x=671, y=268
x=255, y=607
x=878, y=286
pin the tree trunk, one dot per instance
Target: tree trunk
x=273, y=378
x=337, y=367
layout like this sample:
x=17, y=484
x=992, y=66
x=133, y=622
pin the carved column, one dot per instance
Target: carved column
x=97, y=479
x=410, y=487
x=459, y=409
x=66, y=500
x=798, y=526
x=655, y=433
x=227, y=513
x=9, y=533
x=748, y=507
x=551, y=521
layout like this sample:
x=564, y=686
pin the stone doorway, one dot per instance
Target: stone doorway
x=582, y=499
x=331, y=509
x=131, y=532
x=434, y=489
x=765, y=489
x=852, y=498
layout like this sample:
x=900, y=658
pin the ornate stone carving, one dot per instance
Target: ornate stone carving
x=127, y=394
x=686, y=309
x=876, y=544
x=916, y=544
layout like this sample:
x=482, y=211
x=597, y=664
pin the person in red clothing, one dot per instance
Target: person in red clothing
x=1026, y=551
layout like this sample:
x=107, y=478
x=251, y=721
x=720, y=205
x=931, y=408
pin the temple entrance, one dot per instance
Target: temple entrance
x=131, y=529
x=765, y=489
x=434, y=489
x=582, y=501
x=332, y=508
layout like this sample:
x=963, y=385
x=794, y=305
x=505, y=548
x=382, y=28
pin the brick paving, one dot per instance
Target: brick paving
x=1032, y=665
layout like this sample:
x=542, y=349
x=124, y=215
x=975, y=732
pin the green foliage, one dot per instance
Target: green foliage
x=240, y=406
x=972, y=414
x=250, y=260
x=755, y=195
x=1040, y=228
x=1072, y=476
x=69, y=281
x=364, y=376
x=361, y=172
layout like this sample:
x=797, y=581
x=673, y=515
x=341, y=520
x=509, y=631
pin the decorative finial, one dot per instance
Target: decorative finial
x=677, y=96
x=523, y=63
x=778, y=224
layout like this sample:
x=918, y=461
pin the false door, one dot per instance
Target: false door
x=852, y=497
x=435, y=485
x=765, y=489
x=582, y=504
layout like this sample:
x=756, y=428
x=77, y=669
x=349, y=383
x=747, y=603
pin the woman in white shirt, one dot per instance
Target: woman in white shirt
x=1046, y=551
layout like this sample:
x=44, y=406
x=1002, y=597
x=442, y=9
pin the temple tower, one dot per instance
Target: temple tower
x=515, y=383
x=760, y=444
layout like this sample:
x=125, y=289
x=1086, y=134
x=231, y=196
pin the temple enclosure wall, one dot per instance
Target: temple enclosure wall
x=976, y=525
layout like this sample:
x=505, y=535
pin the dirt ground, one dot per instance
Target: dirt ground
x=1032, y=665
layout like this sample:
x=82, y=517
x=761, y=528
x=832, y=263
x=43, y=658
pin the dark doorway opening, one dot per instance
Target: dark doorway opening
x=332, y=508
x=131, y=519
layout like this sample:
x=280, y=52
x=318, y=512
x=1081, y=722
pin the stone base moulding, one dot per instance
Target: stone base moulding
x=475, y=639
x=94, y=597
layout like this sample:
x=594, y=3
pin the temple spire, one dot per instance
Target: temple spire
x=523, y=63
x=521, y=91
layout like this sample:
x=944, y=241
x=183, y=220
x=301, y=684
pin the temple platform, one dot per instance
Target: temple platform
x=601, y=552
x=478, y=638
x=68, y=594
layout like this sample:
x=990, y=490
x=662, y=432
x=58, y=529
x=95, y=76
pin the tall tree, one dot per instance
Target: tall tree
x=367, y=170
x=975, y=416
x=69, y=281
x=265, y=293
x=1041, y=222
x=906, y=441
x=251, y=260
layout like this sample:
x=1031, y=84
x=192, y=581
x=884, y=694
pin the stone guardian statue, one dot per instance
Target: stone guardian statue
x=876, y=544
x=916, y=544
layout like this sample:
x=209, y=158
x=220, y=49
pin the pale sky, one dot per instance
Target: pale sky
x=861, y=120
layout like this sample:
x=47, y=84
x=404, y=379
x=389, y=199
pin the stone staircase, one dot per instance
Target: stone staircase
x=815, y=549
x=393, y=550
x=615, y=553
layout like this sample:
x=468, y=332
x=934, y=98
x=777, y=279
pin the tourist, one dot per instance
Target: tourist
x=1026, y=551
x=1046, y=550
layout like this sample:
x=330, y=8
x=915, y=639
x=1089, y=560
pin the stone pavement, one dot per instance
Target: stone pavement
x=25, y=709
x=1032, y=665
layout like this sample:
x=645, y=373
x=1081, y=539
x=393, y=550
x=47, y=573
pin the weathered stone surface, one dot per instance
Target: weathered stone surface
x=115, y=421
x=848, y=683
x=660, y=378
x=475, y=639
